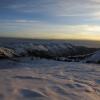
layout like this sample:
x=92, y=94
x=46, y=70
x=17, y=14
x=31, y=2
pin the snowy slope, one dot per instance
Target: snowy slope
x=45, y=48
x=48, y=80
x=95, y=58
x=48, y=49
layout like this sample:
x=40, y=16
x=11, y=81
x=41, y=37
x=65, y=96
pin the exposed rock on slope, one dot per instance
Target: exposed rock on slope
x=6, y=53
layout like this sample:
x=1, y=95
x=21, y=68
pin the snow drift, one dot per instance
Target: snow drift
x=95, y=58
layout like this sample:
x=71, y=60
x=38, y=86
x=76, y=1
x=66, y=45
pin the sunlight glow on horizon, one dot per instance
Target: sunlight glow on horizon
x=25, y=29
x=59, y=36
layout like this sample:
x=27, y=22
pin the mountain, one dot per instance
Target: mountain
x=43, y=49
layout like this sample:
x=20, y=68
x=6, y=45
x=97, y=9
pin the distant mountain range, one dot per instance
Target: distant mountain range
x=45, y=49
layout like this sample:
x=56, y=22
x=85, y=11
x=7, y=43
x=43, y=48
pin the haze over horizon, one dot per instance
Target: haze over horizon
x=50, y=19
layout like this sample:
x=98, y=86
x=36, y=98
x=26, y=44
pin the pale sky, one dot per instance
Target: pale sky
x=50, y=19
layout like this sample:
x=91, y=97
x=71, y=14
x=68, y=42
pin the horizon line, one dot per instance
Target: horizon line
x=49, y=39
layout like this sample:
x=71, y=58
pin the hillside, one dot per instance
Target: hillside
x=42, y=49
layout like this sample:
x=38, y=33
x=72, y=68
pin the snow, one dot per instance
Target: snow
x=5, y=52
x=26, y=79
x=38, y=47
x=95, y=58
x=54, y=48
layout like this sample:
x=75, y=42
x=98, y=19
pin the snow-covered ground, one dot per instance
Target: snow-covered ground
x=95, y=58
x=26, y=79
x=26, y=74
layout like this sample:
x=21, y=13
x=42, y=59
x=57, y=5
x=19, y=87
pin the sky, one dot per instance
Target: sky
x=50, y=19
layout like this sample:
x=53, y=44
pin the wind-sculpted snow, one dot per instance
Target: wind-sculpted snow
x=28, y=79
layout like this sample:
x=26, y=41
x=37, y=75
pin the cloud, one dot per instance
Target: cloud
x=47, y=18
x=26, y=21
x=56, y=8
x=61, y=6
x=35, y=29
